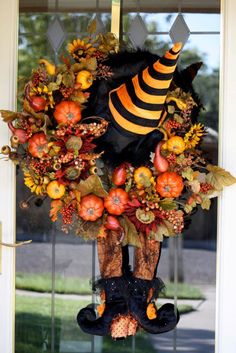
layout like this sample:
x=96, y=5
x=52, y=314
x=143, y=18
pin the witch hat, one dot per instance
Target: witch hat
x=137, y=105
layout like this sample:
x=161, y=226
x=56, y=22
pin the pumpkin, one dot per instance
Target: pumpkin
x=38, y=145
x=116, y=201
x=142, y=177
x=85, y=79
x=169, y=184
x=67, y=112
x=175, y=144
x=91, y=207
x=119, y=175
x=55, y=190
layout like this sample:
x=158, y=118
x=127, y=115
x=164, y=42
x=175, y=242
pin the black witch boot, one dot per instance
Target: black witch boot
x=112, y=285
x=163, y=320
x=144, y=290
x=115, y=304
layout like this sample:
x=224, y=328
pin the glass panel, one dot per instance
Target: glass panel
x=192, y=257
x=53, y=273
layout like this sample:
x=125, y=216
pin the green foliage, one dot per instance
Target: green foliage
x=34, y=323
x=184, y=291
x=43, y=283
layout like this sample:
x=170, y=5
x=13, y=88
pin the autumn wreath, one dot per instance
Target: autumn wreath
x=54, y=143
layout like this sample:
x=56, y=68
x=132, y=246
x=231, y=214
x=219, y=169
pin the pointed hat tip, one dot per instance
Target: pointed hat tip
x=177, y=46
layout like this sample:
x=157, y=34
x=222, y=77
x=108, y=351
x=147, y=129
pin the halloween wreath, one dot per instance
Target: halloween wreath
x=113, y=140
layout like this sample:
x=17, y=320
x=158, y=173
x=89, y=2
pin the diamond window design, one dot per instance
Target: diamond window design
x=138, y=32
x=179, y=31
x=56, y=34
x=99, y=25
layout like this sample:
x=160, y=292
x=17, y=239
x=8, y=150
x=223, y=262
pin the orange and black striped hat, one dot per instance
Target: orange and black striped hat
x=137, y=105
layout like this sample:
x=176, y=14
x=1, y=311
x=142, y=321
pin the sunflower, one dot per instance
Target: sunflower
x=80, y=49
x=193, y=136
x=35, y=183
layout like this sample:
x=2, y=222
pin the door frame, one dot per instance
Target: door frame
x=8, y=73
x=226, y=259
x=226, y=285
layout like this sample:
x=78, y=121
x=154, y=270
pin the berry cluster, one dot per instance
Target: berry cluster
x=175, y=218
x=172, y=124
x=67, y=212
x=205, y=187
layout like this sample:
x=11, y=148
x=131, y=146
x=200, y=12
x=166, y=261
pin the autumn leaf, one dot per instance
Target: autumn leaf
x=188, y=174
x=102, y=233
x=59, y=79
x=92, y=26
x=68, y=79
x=171, y=109
x=206, y=203
x=195, y=186
x=89, y=230
x=8, y=116
x=92, y=185
x=219, y=177
x=77, y=67
x=91, y=64
x=79, y=97
x=56, y=205
x=180, y=158
x=131, y=234
x=178, y=118
x=164, y=229
x=53, y=86
x=188, y=208
x=168, y=204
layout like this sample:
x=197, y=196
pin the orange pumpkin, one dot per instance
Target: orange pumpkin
x=38, y=145
x=169, y=184
x=67, y=112
x=115, y=201
x=91, y=208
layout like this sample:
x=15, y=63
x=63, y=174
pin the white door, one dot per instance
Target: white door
x=226, y=314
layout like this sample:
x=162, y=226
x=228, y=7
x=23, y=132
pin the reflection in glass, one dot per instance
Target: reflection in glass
x=62, y=265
